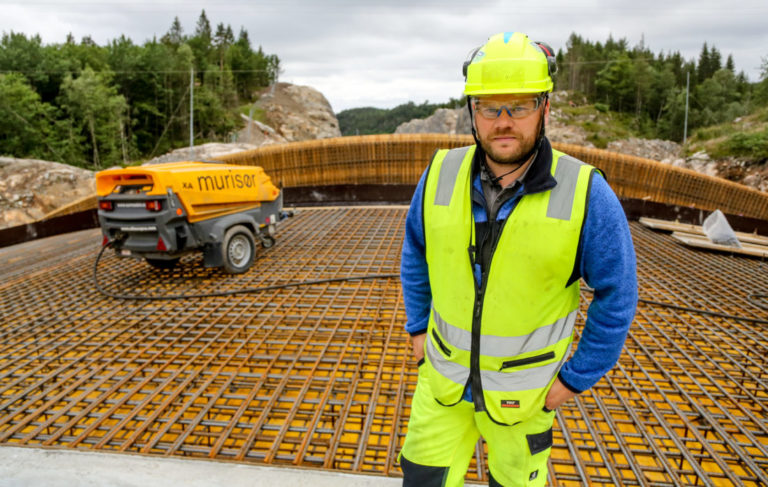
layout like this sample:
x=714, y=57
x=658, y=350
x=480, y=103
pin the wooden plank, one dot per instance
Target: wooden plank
x=698, y=230
x=671, y=226
x=703, y=242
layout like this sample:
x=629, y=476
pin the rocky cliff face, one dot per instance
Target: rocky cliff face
x=293, y=113
x=29, y=189
x=298, y=113
x=257, y=134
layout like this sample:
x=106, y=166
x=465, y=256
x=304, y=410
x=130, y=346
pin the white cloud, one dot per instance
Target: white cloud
x=381, y=53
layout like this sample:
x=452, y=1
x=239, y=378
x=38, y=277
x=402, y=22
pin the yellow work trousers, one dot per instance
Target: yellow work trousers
x=441, y=441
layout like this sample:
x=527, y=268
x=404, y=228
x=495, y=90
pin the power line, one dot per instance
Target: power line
x=9, y=71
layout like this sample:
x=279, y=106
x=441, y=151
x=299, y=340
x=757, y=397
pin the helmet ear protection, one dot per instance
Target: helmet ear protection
x=466, y=64
x=550, y=53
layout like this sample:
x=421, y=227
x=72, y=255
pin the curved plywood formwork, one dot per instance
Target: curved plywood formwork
x=365, y=159
x=401, y=159
x=646, y=179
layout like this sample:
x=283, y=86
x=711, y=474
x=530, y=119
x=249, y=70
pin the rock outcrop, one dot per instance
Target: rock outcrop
x=202, y=152
x=557, y=131
x=656, y=149
x=298, y=113
x=443, y=121
x=29, y=188
x=258, y=134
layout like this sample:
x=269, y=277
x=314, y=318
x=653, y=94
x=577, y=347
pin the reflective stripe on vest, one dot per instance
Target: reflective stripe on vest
x=499, y=346
x=528, y=309
x=561, y=199
x=448, y=172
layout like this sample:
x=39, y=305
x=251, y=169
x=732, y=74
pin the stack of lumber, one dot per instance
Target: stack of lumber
x=693, y=236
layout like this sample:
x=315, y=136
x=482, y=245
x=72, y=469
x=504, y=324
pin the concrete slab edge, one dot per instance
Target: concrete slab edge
x=35, y=467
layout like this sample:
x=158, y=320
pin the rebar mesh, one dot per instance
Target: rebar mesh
x=321, y=376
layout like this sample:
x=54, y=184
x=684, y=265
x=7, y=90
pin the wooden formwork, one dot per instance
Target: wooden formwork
x=402, y=158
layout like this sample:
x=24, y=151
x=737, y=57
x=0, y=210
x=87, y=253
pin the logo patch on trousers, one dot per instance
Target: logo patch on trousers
x=533, y=475
x=510, y=403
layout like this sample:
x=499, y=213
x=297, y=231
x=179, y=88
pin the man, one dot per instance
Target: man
x=497, y=237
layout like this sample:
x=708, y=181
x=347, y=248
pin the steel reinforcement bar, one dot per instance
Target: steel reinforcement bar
x=320, y=375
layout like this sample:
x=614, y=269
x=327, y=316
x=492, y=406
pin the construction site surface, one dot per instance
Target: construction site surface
x=320, y=375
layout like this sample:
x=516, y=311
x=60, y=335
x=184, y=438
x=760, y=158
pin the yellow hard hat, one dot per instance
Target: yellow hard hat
x=509, y=62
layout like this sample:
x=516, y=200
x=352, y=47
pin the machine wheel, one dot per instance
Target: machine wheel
x=163, y=263
x=239, y=249
x=267, y=242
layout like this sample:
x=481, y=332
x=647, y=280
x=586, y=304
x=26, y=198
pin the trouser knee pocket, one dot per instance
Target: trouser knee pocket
x=415, y=475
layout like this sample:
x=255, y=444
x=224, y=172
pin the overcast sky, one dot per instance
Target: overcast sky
x=383, y=53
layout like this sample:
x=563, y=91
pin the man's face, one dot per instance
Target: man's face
x=507, y=139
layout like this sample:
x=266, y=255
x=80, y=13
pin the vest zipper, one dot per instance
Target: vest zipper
x=474, y=355
x=528, y=360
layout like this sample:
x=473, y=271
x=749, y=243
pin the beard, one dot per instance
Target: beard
x=507, y=156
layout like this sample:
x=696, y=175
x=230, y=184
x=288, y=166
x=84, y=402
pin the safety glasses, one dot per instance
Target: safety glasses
x=518, y=108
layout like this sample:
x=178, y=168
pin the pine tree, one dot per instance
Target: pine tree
x=715, y=61
x=175, y=35
x=203, y=28
x=222, y=40
x=702, y=70
x=201, y=44
x=242, y=39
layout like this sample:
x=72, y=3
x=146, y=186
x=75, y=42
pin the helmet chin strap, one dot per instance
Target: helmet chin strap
x=472, y=119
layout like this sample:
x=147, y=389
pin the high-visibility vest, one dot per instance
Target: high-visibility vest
x=509, y=335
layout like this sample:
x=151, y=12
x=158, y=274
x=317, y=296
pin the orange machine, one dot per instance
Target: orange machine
x=160, y=212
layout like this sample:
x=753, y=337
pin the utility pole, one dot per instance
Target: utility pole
x=687, y=86
x=250, y=122
x=191, y=113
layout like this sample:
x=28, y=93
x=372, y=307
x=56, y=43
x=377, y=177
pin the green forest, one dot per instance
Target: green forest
x=652, y=87
x=369, y=120
x=96, y=106
x=648, y=90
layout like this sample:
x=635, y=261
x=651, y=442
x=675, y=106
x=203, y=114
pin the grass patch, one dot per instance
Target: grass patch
x=713, y=132
x=598, y=141
x=581, y=111
x=761, y=115
x=258, y=113
x=753, y=147
x=605, y=128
